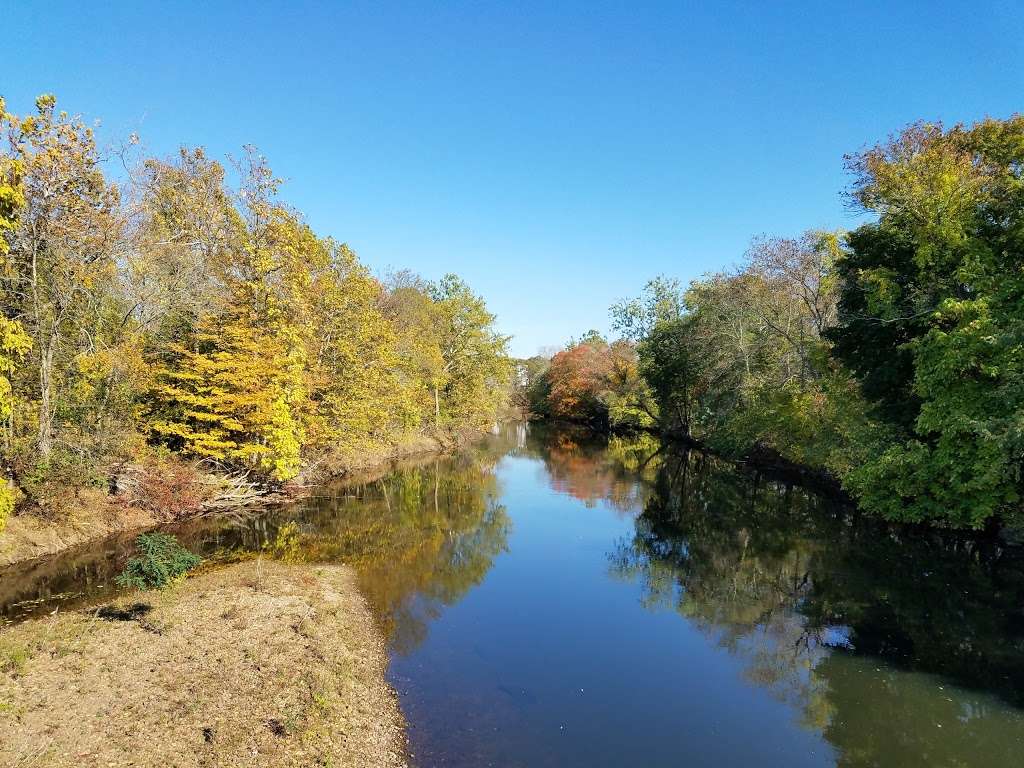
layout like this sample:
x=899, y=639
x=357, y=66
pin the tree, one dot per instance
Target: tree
x=674, y=374
x=408, y=305
x=234, y=390
x=14, y=342
x=577, y=377
x=662, y=301
x=931, y=320
x=526, y=395
x=359, y=387
x=62, y=266
x=476, y=364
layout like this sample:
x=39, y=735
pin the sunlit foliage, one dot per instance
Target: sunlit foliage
x=188, y=307
x=891, y=357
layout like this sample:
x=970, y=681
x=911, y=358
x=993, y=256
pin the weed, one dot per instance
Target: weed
x=321, y=700
x=162, y=560
x=14, y=659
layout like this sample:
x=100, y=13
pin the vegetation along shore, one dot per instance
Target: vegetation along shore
x=176, y=339
x=890, y=357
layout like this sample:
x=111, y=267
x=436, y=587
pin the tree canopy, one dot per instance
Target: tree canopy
x=891, y=356
x=186, y=308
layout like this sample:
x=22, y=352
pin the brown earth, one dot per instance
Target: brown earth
x=254, y=664
x=95, y=514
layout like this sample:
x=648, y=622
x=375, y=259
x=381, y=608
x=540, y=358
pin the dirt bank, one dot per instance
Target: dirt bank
x=99, y=514
x=255, y=664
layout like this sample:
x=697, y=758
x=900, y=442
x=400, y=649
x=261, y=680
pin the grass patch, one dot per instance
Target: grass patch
x=14, y=658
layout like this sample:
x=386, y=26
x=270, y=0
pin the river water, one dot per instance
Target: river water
x=555, y=599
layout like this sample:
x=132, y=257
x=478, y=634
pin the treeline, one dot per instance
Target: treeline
x=185, y=310
x=891, y=356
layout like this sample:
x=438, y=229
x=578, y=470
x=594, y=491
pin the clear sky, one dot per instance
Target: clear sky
x=555, y=154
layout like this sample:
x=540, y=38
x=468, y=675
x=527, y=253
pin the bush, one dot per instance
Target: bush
x=161, y=561
x=52, y=484
x=167, y=487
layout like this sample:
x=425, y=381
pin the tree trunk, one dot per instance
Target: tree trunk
x=45, y=405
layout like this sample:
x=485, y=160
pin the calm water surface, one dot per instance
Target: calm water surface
x=551, y=599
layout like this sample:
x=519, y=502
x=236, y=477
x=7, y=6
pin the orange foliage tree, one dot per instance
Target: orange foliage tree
x=578, y=378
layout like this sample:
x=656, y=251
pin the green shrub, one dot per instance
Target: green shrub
x=161, y=561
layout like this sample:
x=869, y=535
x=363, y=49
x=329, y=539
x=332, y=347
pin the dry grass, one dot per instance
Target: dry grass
x=256, y=664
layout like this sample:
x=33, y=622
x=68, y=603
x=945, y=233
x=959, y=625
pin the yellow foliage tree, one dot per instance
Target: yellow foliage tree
x=14, y=342
x=232, y=398
x=357, y=393
x=233, y=392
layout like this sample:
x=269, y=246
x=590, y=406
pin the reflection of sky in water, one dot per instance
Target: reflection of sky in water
x=837, y=637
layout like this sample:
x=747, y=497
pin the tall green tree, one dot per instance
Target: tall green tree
x=932, y=320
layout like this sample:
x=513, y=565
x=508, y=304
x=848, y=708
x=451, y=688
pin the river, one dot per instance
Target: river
x=551, y=598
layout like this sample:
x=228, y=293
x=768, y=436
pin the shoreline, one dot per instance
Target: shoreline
x=27, y=537
x=259, y=663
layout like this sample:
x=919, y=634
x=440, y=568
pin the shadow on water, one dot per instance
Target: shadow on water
x=893, y=646
x=902, y=646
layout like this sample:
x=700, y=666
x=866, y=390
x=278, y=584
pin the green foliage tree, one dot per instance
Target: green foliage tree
x=476, y=368
x=673, y=371
x=931, y=320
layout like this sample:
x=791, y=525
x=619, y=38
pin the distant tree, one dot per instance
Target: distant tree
x=476, y=366
x=662, y=301
x=670, y=366
x=526, y=395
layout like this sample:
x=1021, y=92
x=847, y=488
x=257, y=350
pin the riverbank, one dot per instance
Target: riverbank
x=100, y=513
x=256, y=664
x=758, y=459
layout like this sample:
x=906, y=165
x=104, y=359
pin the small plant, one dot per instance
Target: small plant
x=47, y=481
x=161, y=561
x=14, y=658
x=6, y=502
x=170, y=489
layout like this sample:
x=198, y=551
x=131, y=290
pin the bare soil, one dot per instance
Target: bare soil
x=255, y=664
x=27, y=536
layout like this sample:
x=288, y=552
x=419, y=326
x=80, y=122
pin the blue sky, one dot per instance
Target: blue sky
x=557, y=155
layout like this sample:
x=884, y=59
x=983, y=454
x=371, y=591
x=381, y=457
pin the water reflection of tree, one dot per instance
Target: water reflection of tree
x=925, y=600
x=885, y=717
x=593, y=469
x=419, y=538
x=729, y=555
x=826, y=609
